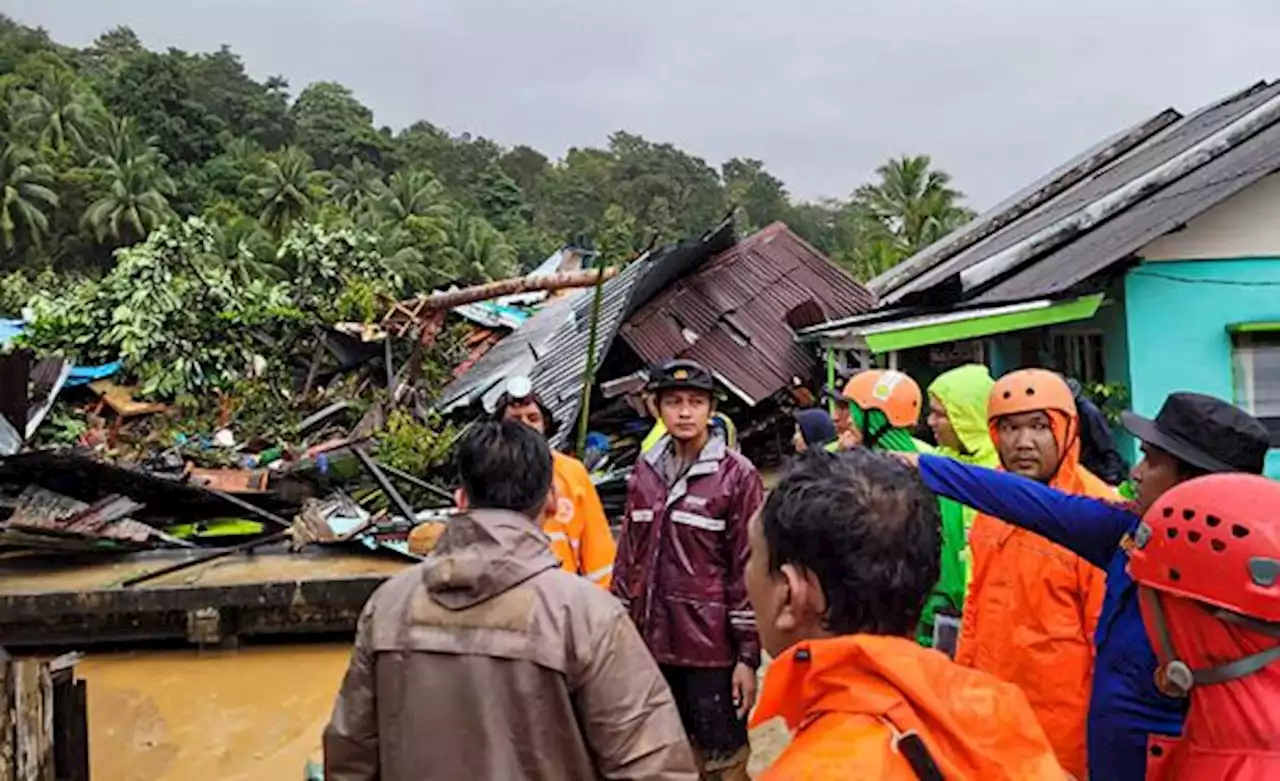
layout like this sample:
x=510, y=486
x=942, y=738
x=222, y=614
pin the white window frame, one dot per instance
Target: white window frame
x=1243, y=375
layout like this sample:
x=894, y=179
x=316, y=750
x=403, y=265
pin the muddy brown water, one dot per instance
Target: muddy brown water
x=248, y=715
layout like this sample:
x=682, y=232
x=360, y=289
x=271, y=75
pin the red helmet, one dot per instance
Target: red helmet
x=1215, y=539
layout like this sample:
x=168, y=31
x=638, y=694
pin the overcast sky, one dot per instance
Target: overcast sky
x=997, y=91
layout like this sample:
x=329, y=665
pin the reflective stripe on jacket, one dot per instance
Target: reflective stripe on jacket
x=850, y=699
x=682, y=555
x=579, y=531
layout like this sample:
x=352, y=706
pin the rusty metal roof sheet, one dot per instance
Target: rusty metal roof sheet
x=1062, y=268
x=738, y=315
x=45, y=511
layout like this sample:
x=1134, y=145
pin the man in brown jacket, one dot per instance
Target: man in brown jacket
x=488, y=662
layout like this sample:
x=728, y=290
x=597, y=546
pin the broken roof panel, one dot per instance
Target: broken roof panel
x=1040, y=266
x=551, y=348
x=738, y=314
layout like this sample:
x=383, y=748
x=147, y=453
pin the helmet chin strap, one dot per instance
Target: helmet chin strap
x=1175, y=678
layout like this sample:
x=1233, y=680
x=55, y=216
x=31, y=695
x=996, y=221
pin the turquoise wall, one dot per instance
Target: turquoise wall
x=1177, y=317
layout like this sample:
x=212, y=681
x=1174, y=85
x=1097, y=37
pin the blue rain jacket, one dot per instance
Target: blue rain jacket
x=1125, y=706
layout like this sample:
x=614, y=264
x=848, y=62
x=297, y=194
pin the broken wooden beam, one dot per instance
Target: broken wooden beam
x=405, y=315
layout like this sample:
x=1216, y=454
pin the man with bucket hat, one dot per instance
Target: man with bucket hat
x=1192, y=435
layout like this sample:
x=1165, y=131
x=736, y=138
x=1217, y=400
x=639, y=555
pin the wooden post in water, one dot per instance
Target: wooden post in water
x=43, y=736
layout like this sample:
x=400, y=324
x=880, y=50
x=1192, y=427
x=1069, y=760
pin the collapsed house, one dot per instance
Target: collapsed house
x=733, y=305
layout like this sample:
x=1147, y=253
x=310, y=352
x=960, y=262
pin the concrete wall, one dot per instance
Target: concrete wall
x=1243, y=226
x=1177, y=318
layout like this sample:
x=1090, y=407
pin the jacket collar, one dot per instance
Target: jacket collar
x=483, y=553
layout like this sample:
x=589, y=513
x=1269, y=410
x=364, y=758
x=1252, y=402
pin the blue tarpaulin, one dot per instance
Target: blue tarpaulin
x=80, y=375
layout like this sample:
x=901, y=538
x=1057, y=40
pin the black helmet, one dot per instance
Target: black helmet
x=677, y=374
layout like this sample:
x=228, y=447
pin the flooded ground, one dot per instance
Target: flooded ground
x=246, y=715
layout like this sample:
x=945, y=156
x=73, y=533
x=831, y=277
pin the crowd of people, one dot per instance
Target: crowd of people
x=1005, y=603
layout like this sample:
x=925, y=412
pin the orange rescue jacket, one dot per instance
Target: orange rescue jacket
x=1032, y=611
x=579, y=530
x=855, y=696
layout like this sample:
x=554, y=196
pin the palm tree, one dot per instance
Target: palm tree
x=915, y=204
x=136, y=201
x=286, y=187
x=25, y=196
x=477, y=251
x=119, y=140
x=356, y=185
x=412, y=194
x=60, y=112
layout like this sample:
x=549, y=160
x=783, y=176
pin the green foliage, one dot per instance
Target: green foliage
x=1110, y=397
x=180, y=324
x=102, y=147
x=415, y=447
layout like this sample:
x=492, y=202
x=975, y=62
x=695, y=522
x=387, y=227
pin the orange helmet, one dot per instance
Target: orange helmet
x=892, y=392
x=1030, y=390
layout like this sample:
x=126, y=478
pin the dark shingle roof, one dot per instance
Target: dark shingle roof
x=1074, y=257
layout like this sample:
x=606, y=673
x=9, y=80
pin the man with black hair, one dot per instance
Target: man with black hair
x=843, y=558
x=489, y=662
x=679, y=571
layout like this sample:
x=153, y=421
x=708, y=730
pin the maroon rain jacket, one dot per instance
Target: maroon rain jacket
x=683, y=553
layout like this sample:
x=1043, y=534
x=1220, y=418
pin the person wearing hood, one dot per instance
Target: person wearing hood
x=814, y=431
x=958, y=419
x=877, y=410
x=958, y=415
x=579, y=529
x=843, y=557
x=1206, y=559
x=1192, y=435
x=489, y=662
x=1033, y=607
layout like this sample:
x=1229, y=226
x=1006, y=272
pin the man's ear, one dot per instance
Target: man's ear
x=806, y=605
x=460, y=499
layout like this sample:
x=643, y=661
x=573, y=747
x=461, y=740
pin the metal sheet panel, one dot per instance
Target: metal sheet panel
x=1157, y=150
x=732, y=315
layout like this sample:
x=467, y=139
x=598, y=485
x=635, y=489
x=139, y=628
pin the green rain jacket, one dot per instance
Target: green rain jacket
x=964, y=391
x=948, y=592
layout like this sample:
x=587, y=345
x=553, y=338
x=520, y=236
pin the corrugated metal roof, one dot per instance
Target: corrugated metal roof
x=551, y=349
x=1111, y=241
x=733, y=315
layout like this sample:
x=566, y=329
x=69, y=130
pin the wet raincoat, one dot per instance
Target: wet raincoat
x=1232, y=731
x=1125, y=707
x=948, y=593
x=1033, y=609
x=848, y=698
x=964, y=391
x=487, y=662
x=579, y=530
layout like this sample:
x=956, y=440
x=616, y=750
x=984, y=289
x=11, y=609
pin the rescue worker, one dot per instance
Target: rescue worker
x=1192, y=435
x=680, y=564
x=877, y=409
x=488, y=662
x=719, y=421
x=842, y=559
x=814, y=431
x=579, y=528
x=1033, y=607
x=958, y=419
x=1207, y=563
x=958, y=415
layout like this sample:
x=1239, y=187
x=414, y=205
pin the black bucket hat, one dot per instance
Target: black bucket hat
x=1205, y=432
